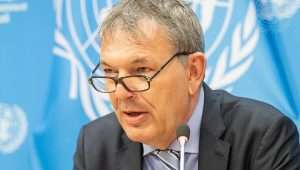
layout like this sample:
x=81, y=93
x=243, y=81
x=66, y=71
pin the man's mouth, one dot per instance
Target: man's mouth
x=134, y=117
x=133, y=113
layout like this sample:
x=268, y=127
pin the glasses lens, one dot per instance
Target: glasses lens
x=104, y=84
x=136, y=83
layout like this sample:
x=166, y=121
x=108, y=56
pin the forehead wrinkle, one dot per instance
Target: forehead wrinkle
x=132, y=60
x=140, y=60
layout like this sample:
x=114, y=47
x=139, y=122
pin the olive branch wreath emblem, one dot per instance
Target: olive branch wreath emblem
x=236, y=59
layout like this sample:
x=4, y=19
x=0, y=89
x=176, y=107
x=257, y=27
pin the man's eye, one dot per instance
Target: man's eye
x=143, y=70
x=109, y=71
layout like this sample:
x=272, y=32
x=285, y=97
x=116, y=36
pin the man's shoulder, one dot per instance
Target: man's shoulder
x=247, y=112
x=105, y=127
x=106, y=121
x=256, y=132
x=98, y=143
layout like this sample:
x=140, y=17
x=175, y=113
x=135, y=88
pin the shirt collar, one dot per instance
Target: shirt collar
x=192, y=146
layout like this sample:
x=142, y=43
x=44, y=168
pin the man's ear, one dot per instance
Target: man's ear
x=196, y=65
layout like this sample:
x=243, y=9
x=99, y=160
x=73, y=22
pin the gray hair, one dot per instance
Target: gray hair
x=181, y=23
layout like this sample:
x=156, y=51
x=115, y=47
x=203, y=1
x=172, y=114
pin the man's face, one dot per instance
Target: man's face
x=150, y=117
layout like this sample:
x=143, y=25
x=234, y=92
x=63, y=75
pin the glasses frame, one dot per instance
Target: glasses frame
x=118, y=80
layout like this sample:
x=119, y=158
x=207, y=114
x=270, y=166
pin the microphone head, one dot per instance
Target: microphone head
x=183, y=131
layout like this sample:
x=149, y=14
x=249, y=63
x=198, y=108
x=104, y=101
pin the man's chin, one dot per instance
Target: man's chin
x=137, y=134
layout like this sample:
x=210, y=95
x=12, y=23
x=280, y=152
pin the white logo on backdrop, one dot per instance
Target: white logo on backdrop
x=236, y=58
x=231, y=63
x=80, y=57
x=207, y=9
x=278, y=9
x=7, y=7
x=13, y=128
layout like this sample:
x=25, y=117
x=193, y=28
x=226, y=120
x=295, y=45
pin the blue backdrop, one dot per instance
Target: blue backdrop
x=48, y=49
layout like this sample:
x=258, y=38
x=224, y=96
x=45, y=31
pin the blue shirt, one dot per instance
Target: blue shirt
x=151, y=162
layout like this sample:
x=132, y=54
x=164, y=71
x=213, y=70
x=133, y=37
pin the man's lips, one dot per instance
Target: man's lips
x=134, y=117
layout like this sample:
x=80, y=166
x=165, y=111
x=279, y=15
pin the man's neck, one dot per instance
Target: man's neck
x=194, y=104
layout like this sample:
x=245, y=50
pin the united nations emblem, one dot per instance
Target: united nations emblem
x=13, y=128
x=76, y=38
x=76, y=41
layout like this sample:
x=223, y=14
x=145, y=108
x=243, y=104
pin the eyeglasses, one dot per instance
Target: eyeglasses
x=132, y=83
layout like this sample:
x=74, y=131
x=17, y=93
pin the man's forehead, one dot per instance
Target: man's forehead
x=145, y=30
x=134, y=50
x=137, y=48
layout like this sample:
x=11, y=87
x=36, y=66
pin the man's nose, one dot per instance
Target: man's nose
x=121, y=92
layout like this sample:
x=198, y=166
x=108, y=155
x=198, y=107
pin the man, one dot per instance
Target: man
x=153, y=67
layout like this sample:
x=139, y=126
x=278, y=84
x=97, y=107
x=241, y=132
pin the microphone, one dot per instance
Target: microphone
x=183, y=135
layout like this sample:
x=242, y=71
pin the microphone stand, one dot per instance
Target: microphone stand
x=183, y=135
x=182, y=155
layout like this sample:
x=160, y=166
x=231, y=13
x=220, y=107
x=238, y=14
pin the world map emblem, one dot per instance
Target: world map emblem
x=229, y=45
x=13, y=128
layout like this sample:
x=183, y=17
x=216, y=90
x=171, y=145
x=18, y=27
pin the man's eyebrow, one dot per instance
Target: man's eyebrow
x=140, y=60
x=137, y=60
